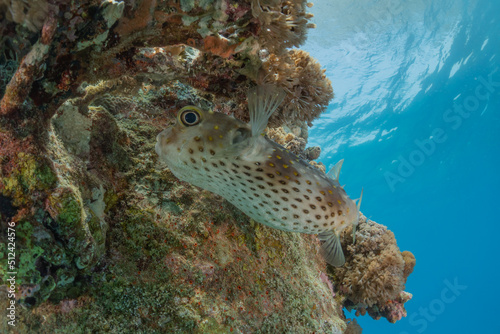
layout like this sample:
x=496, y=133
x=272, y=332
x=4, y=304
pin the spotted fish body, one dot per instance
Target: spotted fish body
x=264, y=180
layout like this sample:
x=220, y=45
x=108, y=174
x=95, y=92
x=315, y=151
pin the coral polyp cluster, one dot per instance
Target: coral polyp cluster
x=375, y=273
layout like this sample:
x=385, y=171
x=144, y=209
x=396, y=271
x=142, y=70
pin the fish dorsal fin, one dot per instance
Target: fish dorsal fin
x=335, y=171
x=262, y=102
x=355, y=223
x=358, y=205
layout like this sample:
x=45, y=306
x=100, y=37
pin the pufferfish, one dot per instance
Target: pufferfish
x=267, y=182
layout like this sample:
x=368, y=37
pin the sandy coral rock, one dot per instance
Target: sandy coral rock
x=374, y=274
x=31, y=14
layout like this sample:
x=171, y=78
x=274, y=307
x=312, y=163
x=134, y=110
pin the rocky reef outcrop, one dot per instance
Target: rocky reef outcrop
x=106, y=238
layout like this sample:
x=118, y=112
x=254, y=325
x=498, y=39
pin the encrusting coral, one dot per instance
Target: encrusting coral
x=105, y=232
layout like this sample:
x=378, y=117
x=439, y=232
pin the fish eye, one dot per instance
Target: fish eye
x=189, y=116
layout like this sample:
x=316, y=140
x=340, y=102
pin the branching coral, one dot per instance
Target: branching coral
x=375, y=272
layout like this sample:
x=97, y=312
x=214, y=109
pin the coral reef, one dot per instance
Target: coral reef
x=375, y=273
x=107, y=240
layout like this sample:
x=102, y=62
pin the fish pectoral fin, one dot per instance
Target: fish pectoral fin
x=331, y=249
x=263, y=100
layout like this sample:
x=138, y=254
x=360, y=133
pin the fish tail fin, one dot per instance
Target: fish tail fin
x=263, y=100
x=331, y=249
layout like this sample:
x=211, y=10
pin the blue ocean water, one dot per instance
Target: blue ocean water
x=416, y=117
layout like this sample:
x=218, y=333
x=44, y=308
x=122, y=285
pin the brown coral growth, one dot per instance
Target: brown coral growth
x=375, y=273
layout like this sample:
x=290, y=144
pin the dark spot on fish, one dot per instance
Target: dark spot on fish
x=200, y=149
x=203, y=159
x=197, y=138
x=318, y=199
x=278, y=172
x=250, y=198
x=222, y=163
x=259, y=178
x=235, y=165
x=246, y=167
x=325, y=224
x=316, y=226
x=257, y=163
x=190, y=150
x=342, y=222
x=309, y=221
x=284, y=218
x=193, y=161
x=259, y=169
x=265, y=202
x=312, y=206
x=285, y=199
x=271, y=175
x=305, y=211
x=295, y=189
x=332, y=223
x=332, y=214
x=285, y=190
x=253, y=189
x=267, y=195
x=282, y=182
x=308, y=182
x=205, y=168
x=294, y=206
x=274, y=191
x=285, y=209
x=212, y=152
x=261, y=205
x=270, y=184
x=318, y=217
x=277, y=203
x=246, y=173
x=306, y=197
x=309, y=190
x=296, y=216
x=295, y=228
x=269, y=212
x=256, y=207
x=261, y=186
x=214, y=164
x=339, y=212
x=296, y=223
x=297, y=181
x=330, y=204
x=234, y=171
x=276, y=209
x=298, y=199
x=323, y=208
x=305, y=227
x=256, y=195
x=326, y=216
